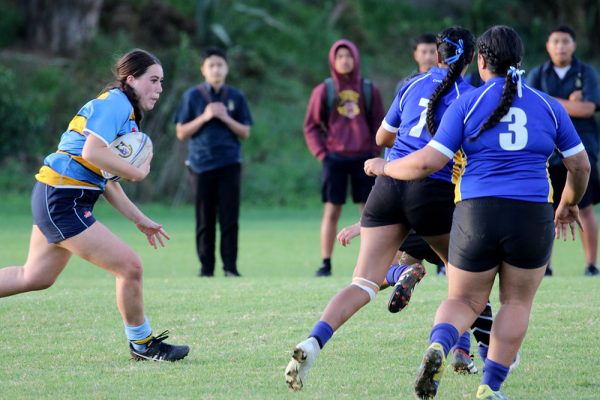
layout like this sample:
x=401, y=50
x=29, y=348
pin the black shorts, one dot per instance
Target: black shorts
x=558, y=176
x=425, y=205
x=418, y=248
x=62, y=213
x=336, y=171
x=490, y=230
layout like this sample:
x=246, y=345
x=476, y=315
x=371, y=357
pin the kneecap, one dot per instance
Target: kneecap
x=368, y=286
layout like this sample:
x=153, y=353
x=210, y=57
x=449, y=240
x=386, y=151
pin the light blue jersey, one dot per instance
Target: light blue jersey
x=407, y=116
x=106, y=117
x=510, y=159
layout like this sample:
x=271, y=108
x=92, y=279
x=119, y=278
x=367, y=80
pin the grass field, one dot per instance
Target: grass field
x=68, y=341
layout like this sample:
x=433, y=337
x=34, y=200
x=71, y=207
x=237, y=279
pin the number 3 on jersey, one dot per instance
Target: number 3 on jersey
x=416, y=130
x=516, y=138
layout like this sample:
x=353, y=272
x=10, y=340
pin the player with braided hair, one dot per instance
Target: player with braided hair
x=506, y=131
x=394, y=207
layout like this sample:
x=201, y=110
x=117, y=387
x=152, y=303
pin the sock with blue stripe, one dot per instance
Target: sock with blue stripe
x=445, y=334
x=138, y=336
x=322, y=332
x=494, y=374
x=464, y=343
x=394, y=273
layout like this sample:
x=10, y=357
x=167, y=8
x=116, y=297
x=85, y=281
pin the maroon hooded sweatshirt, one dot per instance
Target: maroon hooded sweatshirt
x=348, y=131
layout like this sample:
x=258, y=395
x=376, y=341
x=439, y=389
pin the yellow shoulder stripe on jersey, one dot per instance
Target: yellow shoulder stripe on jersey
x=83, y=162
x=50, y=177
x=77, y=124
x=103, y=95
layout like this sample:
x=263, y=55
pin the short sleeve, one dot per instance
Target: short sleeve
x=591, y=91
x=568, y=141
x=107, y=117
x=391, y=121
x=184, y=112
x=243, y=115
x=449, y=136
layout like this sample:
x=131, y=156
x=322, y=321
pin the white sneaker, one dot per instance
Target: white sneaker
x=303, y=358
x=515, y=363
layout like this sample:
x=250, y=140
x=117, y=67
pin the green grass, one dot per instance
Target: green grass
x=68, y=342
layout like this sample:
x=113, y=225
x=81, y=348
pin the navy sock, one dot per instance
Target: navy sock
x=394, y=273
x=464, y=343
x=322, y=332
x=444, y=334
x=482, y=350
x=327, y=262
x=494, y=374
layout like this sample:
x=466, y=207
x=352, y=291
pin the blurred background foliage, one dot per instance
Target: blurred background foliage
x=57, y=54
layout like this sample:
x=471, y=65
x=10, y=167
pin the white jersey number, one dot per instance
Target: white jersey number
x=516, y=138
x=416, y=130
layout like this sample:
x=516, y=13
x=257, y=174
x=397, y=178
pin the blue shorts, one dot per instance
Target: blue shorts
x=62, y=213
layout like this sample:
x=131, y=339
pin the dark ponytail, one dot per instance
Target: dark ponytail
x=456, y=45
x=134, y=63
x=502, y=48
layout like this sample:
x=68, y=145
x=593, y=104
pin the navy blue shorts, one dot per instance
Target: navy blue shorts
x=336, y=171
x=489, y=230
x=62, y=213
x=558, y=177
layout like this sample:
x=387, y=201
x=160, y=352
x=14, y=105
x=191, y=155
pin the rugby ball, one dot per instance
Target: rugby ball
x=133, y=147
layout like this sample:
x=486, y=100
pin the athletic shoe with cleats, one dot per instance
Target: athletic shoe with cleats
x=430, y=372
x=403, y=289
x=158, y=350
x=463, y=363
x=484, y=392
x=303, y=358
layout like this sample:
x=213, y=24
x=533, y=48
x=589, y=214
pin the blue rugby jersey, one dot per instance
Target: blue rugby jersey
x=510, y=159
x=407, y=116
x=108, y=116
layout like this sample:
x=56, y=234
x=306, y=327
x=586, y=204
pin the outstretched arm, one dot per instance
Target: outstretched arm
x=118, y=199
x=417, y=165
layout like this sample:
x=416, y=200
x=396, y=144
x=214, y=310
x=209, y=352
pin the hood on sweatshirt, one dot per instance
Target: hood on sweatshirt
x=353, y=79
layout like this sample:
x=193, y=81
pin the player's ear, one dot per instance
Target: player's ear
x=130, y=79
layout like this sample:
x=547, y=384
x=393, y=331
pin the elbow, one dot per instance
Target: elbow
x=88, y=155
x=245, y=134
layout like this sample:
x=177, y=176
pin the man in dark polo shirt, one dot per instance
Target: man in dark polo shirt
x=215, y=117
x=575, y=85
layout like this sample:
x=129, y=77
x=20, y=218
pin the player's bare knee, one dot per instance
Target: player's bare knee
x=132, y=269
x=39, y=282
x=369, y=287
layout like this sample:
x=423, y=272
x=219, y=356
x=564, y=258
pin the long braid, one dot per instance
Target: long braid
x=456, y=46
x=454, y=71
x=508, y=95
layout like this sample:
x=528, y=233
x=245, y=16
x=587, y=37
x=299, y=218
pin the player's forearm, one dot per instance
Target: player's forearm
x=117, y=198
x=578, y=109
x=106, y=160
x=578, y=173
x=240, y=130
x=187, y=130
